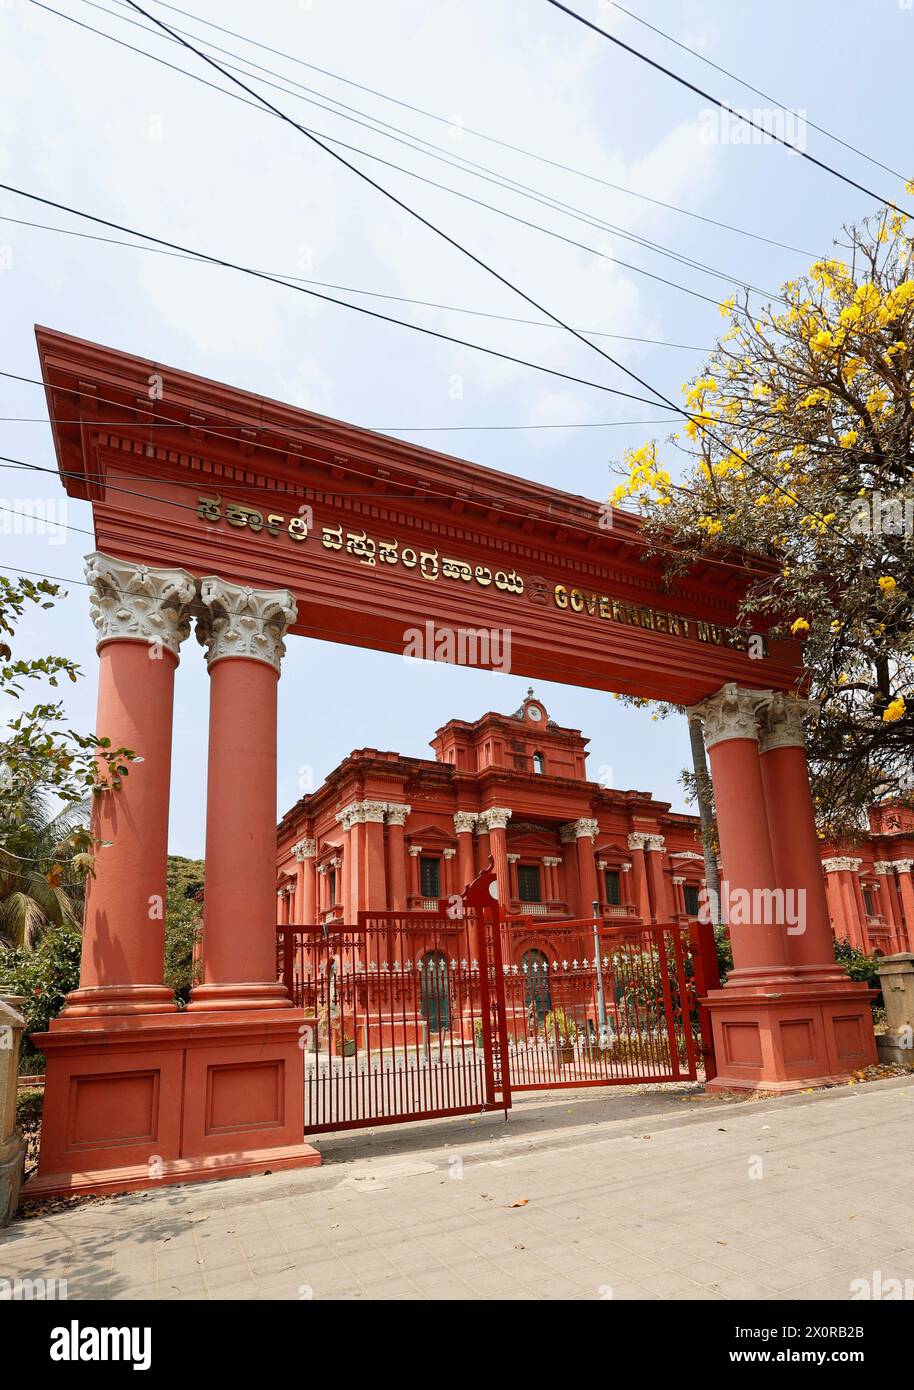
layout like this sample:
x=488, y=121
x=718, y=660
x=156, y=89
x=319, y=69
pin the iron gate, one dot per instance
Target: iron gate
x=413, y=1015
x=401, y=1022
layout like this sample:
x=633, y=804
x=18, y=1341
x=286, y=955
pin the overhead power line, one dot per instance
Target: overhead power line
x=376, y=429
x=342, y=303
x=477, y=260
x=564, y=209
x=408, y=138
x=448, y=121
x=829, y=135
x=350, y=289
x=731, y=110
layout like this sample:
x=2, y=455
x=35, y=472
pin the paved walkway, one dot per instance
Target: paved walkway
x=632, y=1195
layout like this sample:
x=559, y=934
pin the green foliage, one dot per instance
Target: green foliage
x=862, y=968
x=183, y=923
x=44, y=976
x=44, y=854
x=29, y=1105
x=724, y=952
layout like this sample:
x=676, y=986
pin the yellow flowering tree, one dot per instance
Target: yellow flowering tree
x=798, y=446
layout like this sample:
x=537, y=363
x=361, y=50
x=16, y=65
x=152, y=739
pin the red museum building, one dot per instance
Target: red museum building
x=392, y=833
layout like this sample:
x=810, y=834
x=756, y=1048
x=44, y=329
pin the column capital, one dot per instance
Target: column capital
x=415, y=851
x=903, y=865
x=729, y=713
x=780, y=718
x=552, y=861
x=304, y=849
x=580, y=829
x=677, y=878
x=513, y=858
x=636, y=840
x=397, y=812
x=237, y=620
x=841, y=864
x=495, y=818
x=448, y=853
x=465, y=822
x=883, y=866
x=129, y=602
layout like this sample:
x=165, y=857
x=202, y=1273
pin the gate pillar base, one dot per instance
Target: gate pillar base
x=790, y=1039
x=145, y=1100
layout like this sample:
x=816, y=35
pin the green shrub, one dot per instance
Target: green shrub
x=29, y=1105
x=44, y=976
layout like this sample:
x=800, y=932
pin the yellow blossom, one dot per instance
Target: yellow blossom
x=848, y=439
x=887, y=583
x=799, y=625
x=894, y=711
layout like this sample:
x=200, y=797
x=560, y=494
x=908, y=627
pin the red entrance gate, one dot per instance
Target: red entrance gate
x=401, y=1021
x=405, y=1018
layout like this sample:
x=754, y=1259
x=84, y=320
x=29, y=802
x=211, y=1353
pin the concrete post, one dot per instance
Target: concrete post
x=896, y=975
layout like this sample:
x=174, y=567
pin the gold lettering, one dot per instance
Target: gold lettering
x=561, y=596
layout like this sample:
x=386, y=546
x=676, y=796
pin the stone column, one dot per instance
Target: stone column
x=12, y=1140
x=792, y=830
x=496, y=820
x=888, y=905
x=306, y=895
x=551, y=864
x=374, y=884
x=397, y=813
x=640, y=893
x=731, y=736
x=896, y=975
x=835, y=899
x=414, y=876
x=654, y=849
x=906, y=893
x=464, y=826
x=141, y=616
x=447, y=856
x=242, y=630
x=582, y=834
x=512, y=871
x=775, y=1026
x=625, y=889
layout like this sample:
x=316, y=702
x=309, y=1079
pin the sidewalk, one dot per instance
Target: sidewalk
x=629, y=1194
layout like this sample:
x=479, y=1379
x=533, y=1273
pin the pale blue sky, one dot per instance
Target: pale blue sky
x=95, y=126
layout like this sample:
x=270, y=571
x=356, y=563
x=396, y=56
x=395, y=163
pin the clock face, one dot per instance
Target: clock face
x=534, y=712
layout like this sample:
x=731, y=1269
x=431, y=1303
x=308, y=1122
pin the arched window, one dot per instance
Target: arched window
x=435, y=1005
x=539, y=763
x=535, y=970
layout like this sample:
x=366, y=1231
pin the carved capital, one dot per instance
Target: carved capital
x=904, y=866
x=552, y=861
x=397, y=812
x=305, y=849
x=448, y=853
x=495, y=818
x=780, y=719
x=129, y=602
x=239, y=621
x=464, y=822
x=579, y=830
x=636, y=840
x=373, y=812
x=415, y=851
x=731, y=713
x=656, y=843
x=513, y=858
x=883, y=866
x=841, y=864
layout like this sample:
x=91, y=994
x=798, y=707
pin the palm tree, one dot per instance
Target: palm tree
x=41, y=870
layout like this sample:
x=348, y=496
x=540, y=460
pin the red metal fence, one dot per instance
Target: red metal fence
x=396, y=1020
x=616, y=1011
x=413, y=1015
